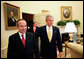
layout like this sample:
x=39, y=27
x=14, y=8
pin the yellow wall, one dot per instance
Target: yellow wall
x=35, y=7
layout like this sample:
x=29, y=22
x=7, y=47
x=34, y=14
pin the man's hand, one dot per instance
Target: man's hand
x=60, y=54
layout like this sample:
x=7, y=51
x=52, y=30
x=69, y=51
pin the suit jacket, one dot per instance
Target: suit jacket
x=11, y=22
x=33, y=30
x=17, y=50
x=48, y=50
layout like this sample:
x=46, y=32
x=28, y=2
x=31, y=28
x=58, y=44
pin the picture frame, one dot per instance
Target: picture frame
x=66, y=13
x=11, y=15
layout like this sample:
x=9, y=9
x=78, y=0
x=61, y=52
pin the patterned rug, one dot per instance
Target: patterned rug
x=63, y=53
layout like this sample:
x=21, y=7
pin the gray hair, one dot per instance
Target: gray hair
x=48, y=16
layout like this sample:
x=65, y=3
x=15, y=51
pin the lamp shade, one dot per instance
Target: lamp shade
x=70, y=28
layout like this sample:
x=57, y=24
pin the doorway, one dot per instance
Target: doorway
x=29, y=19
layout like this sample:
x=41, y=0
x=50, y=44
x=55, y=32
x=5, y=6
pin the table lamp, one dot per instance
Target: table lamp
x=70, y=28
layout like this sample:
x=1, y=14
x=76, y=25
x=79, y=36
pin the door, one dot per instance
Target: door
x=29, y=19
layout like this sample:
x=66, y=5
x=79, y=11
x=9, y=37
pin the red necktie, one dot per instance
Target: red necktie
x=23, y=40
x=34, y=29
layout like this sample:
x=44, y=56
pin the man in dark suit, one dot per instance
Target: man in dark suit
x=35, y=28
x=22, y=44
x=49, y=37
x=11, y=19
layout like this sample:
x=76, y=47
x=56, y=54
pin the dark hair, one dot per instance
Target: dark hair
x=18, y=21
x=12, y=11
x=34, y=22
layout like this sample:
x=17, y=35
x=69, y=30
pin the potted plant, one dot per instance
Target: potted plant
x=63, y=23
x=76, y=22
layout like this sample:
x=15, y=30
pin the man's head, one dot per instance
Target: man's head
x=35, y=24
x=22, y=26
x=49, y=20
x=12, y=13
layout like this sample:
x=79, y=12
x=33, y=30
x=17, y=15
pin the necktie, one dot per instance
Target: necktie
x=23, y=40
x=34, y=29
x=49, y=34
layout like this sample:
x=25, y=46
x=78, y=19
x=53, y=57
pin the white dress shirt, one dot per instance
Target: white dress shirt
x=50, y=30
x=13, y=20
x=20, y=34
x=34, y=28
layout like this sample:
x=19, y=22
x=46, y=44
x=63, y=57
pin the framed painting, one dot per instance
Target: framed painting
x=66, y=13
x=11, y=15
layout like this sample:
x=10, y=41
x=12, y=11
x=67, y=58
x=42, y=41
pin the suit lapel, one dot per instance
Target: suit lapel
x=53, y=29
x=19, y=40
x=45, y=31
x=27, y=40
x=54, y=33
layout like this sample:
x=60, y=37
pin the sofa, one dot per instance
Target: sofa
x=76, y=50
